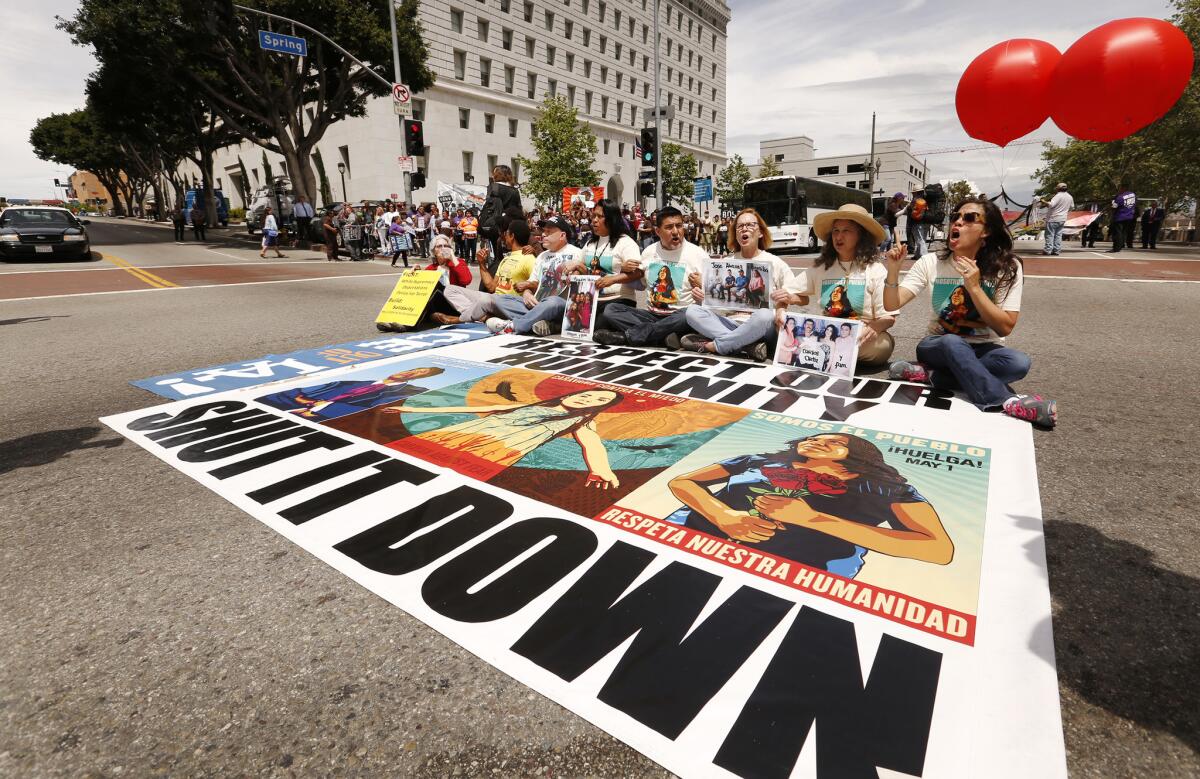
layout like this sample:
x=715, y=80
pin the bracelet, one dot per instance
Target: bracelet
x=891, y=286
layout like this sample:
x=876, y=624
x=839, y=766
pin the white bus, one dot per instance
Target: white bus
x=789, y=204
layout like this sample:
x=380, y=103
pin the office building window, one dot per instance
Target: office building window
x=510, y=75
x=587, y=68
x=617, y=20
x=552, y=87
x=617, y=52
x=856, y=167
x=828, y=170
x=604, y=74
x=506, y=39
x=620, y=79
x=620, y=110
x=571, y=95
x=531, y=86
x=489, y=123
x=460, y=65
x=603, y=43
x=456, y=20
x=528, y=12
x=505, y=6
x=512, y=128
x=568, y=28
x=468, y=164
x=604, y=106
x=587, y=101
x=550, y=21
x=621, y=150
x=464, y=118
x=492, y=159
x=585, y=7
x=570, y=62
x=587, y=37
x=482, y=29
x=530, y=46
x=851, y=184
x=602, y=8
x=606, y=146
x=550, y=52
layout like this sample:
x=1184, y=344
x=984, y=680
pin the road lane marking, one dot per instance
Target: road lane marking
x=198, y=286
x=139, y=273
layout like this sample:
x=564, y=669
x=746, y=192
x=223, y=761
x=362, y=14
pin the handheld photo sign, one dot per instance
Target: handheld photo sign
x=819, y=343
x=580, y=317
x=737, y=285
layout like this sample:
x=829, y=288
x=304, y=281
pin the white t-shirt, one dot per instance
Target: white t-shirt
x=859, y=292
x=782, y=277
x=601, y=257
x=550, y=271
x=1060, y=205
x=952, y=305
x=664, y=295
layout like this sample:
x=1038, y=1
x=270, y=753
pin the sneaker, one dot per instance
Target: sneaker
x=1033, y=409
x=542, y=328
x=694, y=343
x=908, y=371
x=499, y=326
x=672, y=342
x=389, y=327
x=609, y=338
x=758, y=352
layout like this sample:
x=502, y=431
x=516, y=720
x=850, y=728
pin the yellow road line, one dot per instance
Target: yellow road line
x=139, y=273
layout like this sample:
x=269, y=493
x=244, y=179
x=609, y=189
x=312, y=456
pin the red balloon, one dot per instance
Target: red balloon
x=1120, y=77
x=1005, y=92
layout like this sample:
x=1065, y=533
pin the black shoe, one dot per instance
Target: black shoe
x=609, y=338
x=672, y=342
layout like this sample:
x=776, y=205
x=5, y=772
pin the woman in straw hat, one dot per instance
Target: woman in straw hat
x=851, y=277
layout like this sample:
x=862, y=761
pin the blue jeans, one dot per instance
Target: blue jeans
x=645, y=328
x=1054, y=237
x=729, y=336
x=981, y=370
x=549, y=310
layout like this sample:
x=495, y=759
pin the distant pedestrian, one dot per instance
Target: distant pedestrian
x=1152, y=219
x=270, y=234
x=179, y=222
x=304, y=213
x=1057, y=211
x=1123, y=205
x=329, y=231
x=199, y=220
x=400, y=237
x=1093, y=232
x=897, y=205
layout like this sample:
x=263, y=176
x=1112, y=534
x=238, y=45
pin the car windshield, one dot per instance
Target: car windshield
x=28, y=217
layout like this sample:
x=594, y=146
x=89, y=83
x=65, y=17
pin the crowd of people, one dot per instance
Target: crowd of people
x=973, y=287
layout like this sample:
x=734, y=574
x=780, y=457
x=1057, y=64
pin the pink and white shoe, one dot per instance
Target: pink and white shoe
x=908, y=371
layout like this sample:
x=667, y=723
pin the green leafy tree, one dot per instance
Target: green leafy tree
x=957, y=192
x=769, y=167
x=732, y=180
x=678, y=172
x=80, y=141
x=283, y=103
x=564, y=152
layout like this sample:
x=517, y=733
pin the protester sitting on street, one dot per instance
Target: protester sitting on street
x=199, y=219
x=980, y=268
x=270, y=234
x=455, y=273
x=475, y=305
x=665, y=315
x=848, y=278
x=751, y=334
x=540, y=306
x=606, y=254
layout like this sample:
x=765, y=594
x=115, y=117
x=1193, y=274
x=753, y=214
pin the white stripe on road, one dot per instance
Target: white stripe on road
x=1102, y=278
x=189, y=265
x=198, y=286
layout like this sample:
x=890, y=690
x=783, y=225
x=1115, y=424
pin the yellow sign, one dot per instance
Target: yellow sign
x=409, y=297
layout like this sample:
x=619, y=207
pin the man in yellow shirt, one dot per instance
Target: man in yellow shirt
x=511, y=278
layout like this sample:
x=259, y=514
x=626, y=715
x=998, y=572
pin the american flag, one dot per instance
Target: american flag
x=637, y=149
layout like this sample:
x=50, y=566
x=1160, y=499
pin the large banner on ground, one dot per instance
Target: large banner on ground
x=737, y=569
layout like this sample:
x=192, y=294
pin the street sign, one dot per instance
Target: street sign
x=394, y=196
x=407, y=164
x=646, y=174
x=402, y=100
x=666, y=112
x=285, y=44
x=702, y=190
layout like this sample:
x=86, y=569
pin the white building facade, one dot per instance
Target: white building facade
x=496, y=60
x=899, y=170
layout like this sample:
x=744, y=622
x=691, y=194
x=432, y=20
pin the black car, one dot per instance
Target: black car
x=39, y=232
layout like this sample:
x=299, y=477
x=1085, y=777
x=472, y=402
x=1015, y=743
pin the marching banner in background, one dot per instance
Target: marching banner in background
x=461, y=195
x=277, y=367
x=737, y=569
x=572, y=196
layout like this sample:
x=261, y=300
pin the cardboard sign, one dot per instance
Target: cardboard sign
x=737, y=569
x=409, y=298
x=819, y=343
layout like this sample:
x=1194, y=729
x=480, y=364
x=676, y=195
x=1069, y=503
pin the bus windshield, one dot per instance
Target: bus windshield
x=774, y=212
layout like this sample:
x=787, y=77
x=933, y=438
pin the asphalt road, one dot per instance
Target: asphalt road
x=151, y=628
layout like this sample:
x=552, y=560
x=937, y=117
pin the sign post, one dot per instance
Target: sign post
x=408, y=163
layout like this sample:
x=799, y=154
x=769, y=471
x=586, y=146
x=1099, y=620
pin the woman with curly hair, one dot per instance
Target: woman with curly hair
x=967, y=351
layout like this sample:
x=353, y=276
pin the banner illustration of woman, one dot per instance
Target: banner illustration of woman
x=825, y=501
x=485, y=446
x=338, y=398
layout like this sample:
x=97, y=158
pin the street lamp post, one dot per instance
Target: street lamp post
x=342, y=172
x=658, y=182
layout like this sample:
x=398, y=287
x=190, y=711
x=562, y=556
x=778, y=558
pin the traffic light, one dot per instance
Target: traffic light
x=646, y=188
x=649, y=144
x=414, y=137
x=418, y=180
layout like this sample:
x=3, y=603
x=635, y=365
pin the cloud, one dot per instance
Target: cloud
x=838, y=63
x=43, y=73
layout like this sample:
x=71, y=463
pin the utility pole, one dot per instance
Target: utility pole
x=404, y=179
x=871, y=161
x=658, y=182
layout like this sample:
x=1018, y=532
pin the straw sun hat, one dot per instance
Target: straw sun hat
x=824, y=222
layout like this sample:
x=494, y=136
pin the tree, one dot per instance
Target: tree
x=283, y=103
x=77, y=139
x=732, y=180
x=679, y=173
x=957, y=192
x=564, y=152
x=769, y=167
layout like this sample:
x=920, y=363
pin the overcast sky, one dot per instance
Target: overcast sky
x=796, y=67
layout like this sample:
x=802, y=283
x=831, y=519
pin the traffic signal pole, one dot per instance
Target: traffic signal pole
x=404, y=178
x=658, y=182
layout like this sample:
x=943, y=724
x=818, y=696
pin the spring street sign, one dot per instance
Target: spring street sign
x=286, y=44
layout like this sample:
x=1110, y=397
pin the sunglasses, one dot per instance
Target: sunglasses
x=969, y=217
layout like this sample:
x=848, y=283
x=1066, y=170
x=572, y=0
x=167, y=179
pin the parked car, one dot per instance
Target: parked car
x=33, y=232
x=278, y=195
x=222, y=205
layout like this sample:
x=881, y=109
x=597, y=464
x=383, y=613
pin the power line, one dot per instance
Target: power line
x=950, y=149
